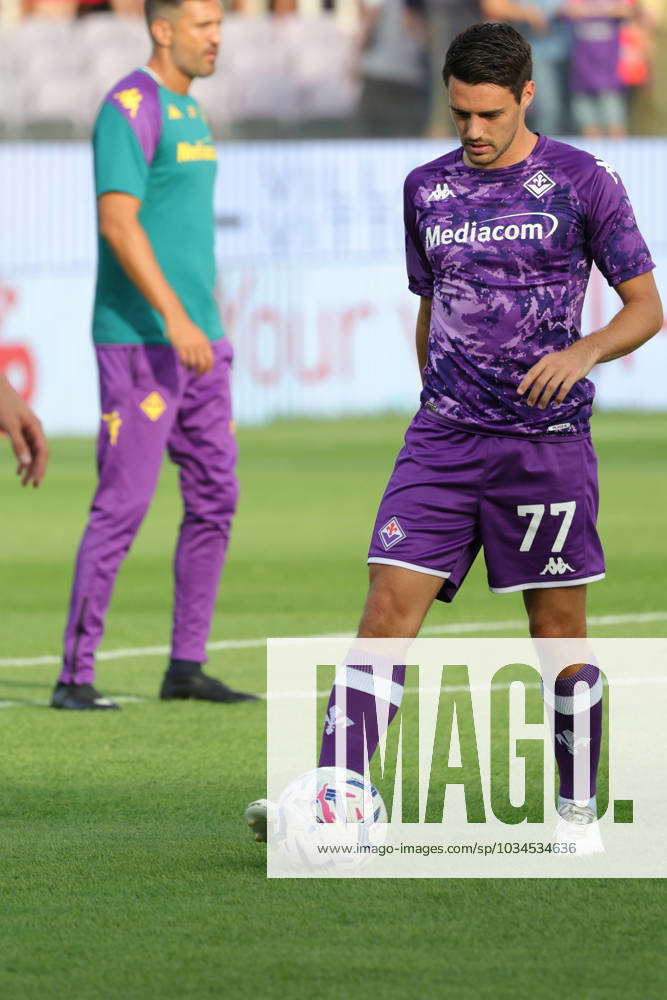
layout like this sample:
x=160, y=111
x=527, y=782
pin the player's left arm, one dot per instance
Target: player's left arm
x=640, y=318
x=614, y=242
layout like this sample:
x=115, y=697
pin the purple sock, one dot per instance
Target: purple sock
x=362, y=703
x=570, y=749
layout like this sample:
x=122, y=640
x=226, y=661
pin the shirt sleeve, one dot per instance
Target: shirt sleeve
x=614, y=240
x=120, y=163
x=420, y=275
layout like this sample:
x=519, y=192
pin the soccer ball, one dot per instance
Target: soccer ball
x=329, y=820
x=342, y=796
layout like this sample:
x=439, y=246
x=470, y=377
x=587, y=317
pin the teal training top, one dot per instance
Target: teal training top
x=155, y=144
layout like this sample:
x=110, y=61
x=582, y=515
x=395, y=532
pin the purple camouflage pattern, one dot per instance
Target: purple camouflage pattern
x=137, y=88
x=506, y=256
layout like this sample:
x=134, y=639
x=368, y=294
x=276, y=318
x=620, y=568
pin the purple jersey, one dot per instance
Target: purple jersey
x=506, y=255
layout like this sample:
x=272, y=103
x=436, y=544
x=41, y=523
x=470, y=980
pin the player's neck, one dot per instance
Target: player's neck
x=522, y=146
x=167, y=74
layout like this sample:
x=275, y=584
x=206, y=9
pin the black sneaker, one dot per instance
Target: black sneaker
x=80, y=697
x=201, y=687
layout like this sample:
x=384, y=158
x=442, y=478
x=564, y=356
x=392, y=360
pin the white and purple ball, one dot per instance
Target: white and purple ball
x=330, y=806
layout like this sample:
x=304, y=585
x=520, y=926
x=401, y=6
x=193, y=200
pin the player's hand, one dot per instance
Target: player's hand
x=25, y=433
x=192, y=346
x=552, y=377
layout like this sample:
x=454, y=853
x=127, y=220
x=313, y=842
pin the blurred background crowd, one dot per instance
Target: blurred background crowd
x=340, y=68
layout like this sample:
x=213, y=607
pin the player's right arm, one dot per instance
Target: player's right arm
x=118, y=216
x=422, y=332
x=420, y=275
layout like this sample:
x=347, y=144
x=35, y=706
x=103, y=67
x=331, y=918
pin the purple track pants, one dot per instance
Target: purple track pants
x=151, y=402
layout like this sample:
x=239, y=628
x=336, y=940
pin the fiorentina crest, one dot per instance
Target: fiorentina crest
x=391, y=534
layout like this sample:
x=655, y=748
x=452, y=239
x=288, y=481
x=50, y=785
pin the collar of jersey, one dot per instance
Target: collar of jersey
x=149, y=72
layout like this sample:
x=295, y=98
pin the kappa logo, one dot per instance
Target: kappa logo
x=391, y=534
x=567, y=740
x=539, y=184
x=556, y=567
x=130, y=100
x=336, y=717
x=608, y=167
x=440, y=193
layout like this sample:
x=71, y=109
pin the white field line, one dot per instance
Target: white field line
x=473, y=688
x=617, y=682
x=458, y=628
x=41, y=703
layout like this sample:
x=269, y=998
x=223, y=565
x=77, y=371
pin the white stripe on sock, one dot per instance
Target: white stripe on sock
x=373, y=684
x=573, y=704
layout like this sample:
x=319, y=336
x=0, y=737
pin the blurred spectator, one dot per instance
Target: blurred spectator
x=548, y=32
x=10, y=11
x=79, y=8
x=634, y=67
x=288, y=71
x=128, y=8
x=281, y=8
x=391, y=64
x=533, y=16
x=598, y=94
x=638, y=68
x=634, y=41
x=53, y=9
x=445, y=19
x=551, y=60
x=87, y=7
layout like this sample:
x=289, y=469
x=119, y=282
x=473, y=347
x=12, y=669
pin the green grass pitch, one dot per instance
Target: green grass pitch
x=125, y=868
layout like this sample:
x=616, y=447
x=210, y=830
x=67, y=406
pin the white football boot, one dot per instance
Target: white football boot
x=578, y=824
x=258, y=815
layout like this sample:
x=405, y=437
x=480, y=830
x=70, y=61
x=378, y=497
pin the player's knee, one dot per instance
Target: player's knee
x=121, y=517
x=228, y=498
x=549, y=625
x=216, y=506
x=385, y=613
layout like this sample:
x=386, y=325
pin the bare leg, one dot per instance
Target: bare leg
x=397, y=603
x=557, y=613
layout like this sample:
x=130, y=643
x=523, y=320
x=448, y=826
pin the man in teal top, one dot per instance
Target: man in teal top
x=154, y=144
x=163, y=361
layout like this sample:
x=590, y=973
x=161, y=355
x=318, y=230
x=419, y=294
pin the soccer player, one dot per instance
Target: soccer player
x=500, y=237
x=163, y=361
x=25, y=433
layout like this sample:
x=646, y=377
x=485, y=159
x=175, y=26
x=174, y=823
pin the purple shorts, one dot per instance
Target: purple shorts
x=531, y=504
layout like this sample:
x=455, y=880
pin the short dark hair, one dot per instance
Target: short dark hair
x=490, y=53
x=158, y=8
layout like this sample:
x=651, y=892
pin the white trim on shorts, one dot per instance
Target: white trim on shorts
x=550, y=583
x=405, y=565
